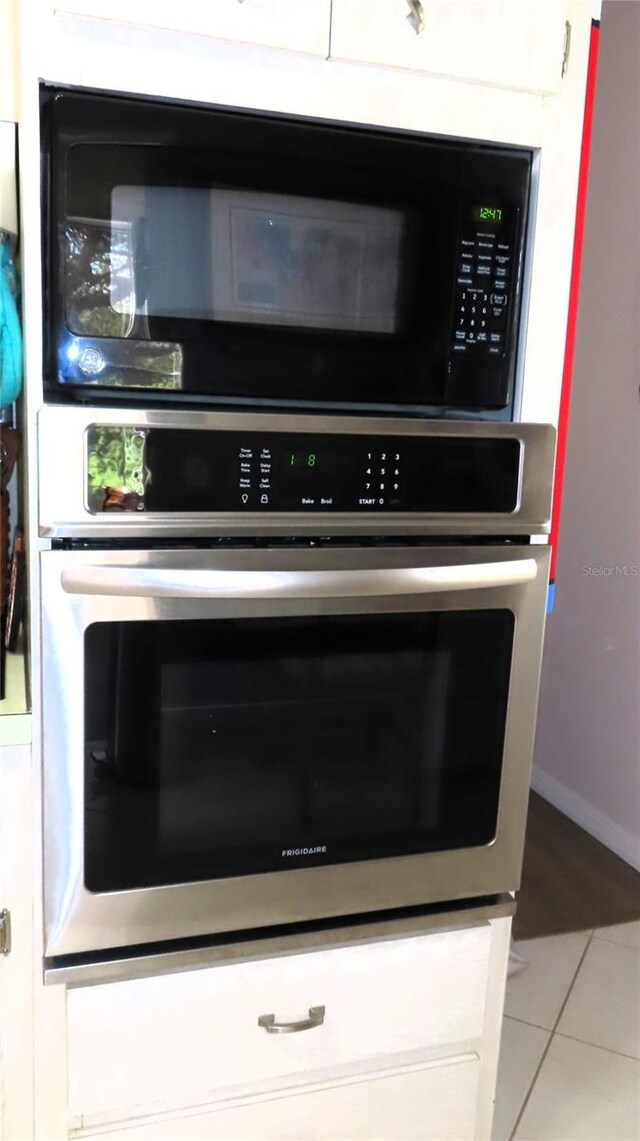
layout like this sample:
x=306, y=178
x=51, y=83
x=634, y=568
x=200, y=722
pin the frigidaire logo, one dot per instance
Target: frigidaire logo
x=305, y=851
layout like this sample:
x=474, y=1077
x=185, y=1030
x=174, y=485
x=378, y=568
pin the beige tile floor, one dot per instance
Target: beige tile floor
x=570, y=1055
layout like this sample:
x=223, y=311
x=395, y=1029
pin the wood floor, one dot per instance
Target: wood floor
x=570, y=881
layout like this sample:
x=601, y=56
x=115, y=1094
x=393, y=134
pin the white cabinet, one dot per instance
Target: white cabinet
x=379, y=1000
x=16, y=898
x=8, y=196
x=288, y=24
x=406, y=1047
x=507, y=43
x=16, y=1045
x=8, y=62
x=431, y=1103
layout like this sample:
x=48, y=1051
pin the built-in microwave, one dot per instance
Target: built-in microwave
x=216, y=256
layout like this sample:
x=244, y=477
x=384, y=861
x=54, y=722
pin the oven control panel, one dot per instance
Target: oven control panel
x=311, y=474
x=185, y=471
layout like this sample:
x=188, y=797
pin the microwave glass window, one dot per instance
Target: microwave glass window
x=253, y=258
x=112, y=342
x=221, y=748
x=99, y=278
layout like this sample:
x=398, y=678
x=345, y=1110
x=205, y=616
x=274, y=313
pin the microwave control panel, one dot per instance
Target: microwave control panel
x=190, y=471
x=485, y=285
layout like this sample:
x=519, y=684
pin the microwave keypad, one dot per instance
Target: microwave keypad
x=481, y=297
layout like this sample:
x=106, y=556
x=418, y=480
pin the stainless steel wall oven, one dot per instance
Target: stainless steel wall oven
x=267, y=713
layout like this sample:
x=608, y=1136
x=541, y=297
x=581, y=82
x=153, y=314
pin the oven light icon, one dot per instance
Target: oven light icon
x=245, y=498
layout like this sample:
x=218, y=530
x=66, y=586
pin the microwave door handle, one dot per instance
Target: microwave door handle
x=152, y=582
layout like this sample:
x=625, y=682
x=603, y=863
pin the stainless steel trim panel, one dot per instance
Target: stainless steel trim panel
x=525, y=289
x=268, y=947
x=62, y=510
x=78, y=921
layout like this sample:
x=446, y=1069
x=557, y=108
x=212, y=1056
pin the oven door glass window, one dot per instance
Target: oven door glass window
x=237, y=746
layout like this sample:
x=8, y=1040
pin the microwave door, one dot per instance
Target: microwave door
x=281, y=263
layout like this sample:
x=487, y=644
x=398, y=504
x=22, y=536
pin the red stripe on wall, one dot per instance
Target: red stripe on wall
x=565, y=392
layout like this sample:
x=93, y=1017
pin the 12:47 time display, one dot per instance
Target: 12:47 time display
x=487, y=213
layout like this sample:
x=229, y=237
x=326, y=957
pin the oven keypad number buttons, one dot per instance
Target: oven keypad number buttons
x=482, y=295
x=381, y=479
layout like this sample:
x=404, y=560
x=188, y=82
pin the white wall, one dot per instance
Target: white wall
x=588, y=747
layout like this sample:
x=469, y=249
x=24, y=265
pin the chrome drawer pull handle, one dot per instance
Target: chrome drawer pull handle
x=316, y=1018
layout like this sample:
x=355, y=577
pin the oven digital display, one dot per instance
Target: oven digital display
x=186, y=471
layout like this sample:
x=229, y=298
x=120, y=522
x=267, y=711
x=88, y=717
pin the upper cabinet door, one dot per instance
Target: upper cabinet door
x=509, y=43
x=288, y=24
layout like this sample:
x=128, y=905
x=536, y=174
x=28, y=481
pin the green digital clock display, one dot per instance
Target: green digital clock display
x=487, y=213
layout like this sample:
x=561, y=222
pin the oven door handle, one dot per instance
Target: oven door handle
x=152, y=582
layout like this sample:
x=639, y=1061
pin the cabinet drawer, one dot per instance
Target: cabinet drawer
x=183, y=1039
x=434, y=1104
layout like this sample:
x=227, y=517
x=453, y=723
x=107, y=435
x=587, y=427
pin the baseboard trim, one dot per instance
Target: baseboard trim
x=595, y=822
